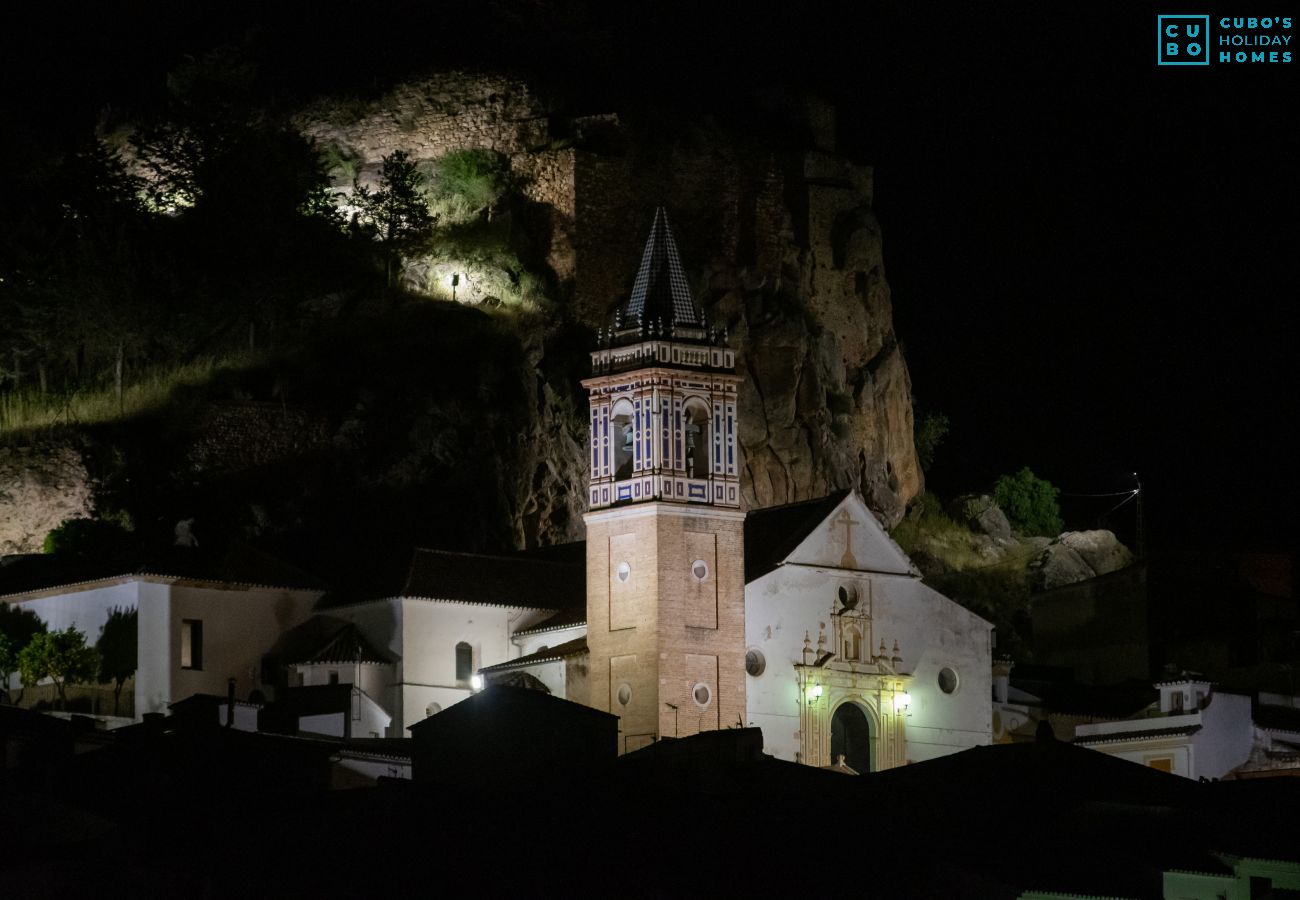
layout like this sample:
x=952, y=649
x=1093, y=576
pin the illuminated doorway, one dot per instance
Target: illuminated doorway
x=851, y=738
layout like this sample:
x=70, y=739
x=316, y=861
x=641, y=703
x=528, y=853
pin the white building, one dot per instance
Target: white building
x=195, y=633
x=1199, y=732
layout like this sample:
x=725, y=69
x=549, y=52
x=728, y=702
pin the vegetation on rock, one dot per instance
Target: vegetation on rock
x=1030, y=503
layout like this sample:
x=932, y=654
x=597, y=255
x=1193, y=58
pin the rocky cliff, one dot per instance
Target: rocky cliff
x=465, y=428
x=777, y=233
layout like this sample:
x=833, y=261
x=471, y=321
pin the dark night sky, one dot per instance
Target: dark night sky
x=1092, y=258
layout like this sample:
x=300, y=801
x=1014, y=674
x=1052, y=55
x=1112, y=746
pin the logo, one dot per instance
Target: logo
x=1186, y=40
x=1183, y=40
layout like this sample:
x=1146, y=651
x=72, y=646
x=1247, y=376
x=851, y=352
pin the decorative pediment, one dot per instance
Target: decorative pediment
x=851, y=538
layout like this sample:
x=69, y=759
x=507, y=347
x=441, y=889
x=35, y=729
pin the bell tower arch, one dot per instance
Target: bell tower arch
x=665, y=532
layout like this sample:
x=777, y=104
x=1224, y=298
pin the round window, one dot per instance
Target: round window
x=702, y=694
x=432, y=709
x=947, y=680
x=755, y=662
x=625, y=694
x=624, y=571
x=700, y=569
x=848, y=594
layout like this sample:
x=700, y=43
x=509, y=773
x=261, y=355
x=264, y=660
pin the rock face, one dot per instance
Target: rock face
x=1078, y=556
x=781, y=245
x=1101, y=550
x=41, y=487
x=981, y=514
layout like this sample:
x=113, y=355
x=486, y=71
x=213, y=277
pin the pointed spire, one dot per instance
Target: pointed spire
x=660, y=288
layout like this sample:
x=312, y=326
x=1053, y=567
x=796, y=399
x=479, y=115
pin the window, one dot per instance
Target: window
x=702, y=694
x=755, y=662
x=697, y=440
x=624, y=571
x=852, y=644
x=700, y=569
x=947, y=680
x=848, y=594
x=1161, y=763
x=623, y=435
x=625, y=693
x=1176, y=701
x=464, y=661
x=192, y=644
x=334, y=677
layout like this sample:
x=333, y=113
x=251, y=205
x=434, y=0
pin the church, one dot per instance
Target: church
x=680, y=613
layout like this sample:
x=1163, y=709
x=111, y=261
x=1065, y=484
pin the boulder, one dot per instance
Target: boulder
x=1101, y=550
x=1059, y=565
x=981, y=514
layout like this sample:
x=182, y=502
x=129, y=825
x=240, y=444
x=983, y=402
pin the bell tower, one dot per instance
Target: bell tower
x=665, y=532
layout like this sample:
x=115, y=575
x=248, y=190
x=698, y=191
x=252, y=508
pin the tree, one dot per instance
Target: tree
x=17, y=627
x=1030, y=503
x=118, y=649
x=62, y=657
x=397, y=212
x=929, y=433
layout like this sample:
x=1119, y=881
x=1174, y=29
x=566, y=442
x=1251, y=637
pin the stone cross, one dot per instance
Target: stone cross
x=847, y=561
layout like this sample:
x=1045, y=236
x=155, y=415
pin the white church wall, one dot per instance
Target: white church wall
x=380, y=622
x=936, y=633
x=932, y=632
x=552, y=674
x=430, y=632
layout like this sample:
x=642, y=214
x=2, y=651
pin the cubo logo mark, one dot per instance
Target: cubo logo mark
x=1183, y=40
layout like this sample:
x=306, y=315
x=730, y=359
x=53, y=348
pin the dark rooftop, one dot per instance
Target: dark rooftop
x=516, y=580
x=772, y=534
x=325, y=639
x=1137, y=733
x=237, y=563
x=547, y=654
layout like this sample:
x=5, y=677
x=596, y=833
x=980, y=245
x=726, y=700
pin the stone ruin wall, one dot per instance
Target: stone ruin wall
x=454, y=111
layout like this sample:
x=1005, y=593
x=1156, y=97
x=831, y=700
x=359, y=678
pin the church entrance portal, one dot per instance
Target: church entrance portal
x=851, y=738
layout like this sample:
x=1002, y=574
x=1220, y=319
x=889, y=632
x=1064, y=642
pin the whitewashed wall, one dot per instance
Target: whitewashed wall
x=84, y=609
x=932, y=632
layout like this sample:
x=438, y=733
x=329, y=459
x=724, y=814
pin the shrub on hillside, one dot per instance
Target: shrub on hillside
x=1030, y=503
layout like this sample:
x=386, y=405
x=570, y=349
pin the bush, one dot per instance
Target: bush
x=464, y=183
x=89, y=538
x=1029, y=503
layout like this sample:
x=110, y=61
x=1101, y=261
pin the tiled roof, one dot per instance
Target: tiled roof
x=565, y=618
x=495, y=580
x=661, y=292
x=325, y=639
x=548, y=654
x=1147, y=734
x=773, y=534
x=236, y=564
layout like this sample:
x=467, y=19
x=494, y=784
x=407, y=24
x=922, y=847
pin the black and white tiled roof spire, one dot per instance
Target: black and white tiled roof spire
x=660, y=292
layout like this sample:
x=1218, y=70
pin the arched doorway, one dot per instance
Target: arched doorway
x=851, y=738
